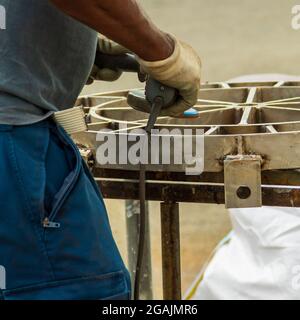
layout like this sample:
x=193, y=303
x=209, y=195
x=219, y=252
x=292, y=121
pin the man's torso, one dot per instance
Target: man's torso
x=45, y=60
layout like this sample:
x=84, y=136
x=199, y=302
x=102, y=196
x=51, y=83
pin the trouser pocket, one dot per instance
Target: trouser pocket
x=63, y=167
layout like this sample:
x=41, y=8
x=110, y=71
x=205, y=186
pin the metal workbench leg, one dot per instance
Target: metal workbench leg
x=132, y=224
x=171, y=264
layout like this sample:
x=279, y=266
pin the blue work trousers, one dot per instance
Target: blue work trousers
x=55, y=238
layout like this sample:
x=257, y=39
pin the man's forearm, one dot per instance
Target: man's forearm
x=122, y=21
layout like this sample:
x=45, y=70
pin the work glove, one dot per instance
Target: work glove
x=180, y=71
x=108, y=47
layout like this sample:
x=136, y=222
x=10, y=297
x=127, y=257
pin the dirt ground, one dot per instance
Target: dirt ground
x=233, y=38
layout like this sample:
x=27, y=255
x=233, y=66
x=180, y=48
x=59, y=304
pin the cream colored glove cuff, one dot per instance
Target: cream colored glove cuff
x=181, y=71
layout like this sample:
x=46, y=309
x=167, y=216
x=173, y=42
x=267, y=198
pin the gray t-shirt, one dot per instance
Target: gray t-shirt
x=45, y=60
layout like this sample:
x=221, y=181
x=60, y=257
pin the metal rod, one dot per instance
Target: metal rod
x=171, y=264
x=132, y=224
x=276, y=177
x=271, y=196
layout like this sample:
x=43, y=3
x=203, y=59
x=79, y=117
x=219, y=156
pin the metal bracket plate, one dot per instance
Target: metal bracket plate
x=242, y=177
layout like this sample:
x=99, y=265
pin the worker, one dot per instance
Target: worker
x=55, y=237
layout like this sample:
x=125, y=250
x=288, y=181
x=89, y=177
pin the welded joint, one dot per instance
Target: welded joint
x=88, y=157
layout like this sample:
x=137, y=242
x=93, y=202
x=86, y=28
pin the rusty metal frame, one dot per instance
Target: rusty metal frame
x=279, y=187
x=170, y=189
x=260, y=120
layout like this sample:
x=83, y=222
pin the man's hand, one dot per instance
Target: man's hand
x=180, y=71
x=108, y=47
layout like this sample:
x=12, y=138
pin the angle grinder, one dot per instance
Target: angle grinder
x=155, y=92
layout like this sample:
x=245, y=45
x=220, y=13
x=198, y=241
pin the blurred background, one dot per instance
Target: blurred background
x=233, y=37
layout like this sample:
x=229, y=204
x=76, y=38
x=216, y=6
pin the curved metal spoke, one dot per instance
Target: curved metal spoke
x=243, y=107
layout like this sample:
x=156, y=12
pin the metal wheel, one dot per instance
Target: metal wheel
x=239, y=118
